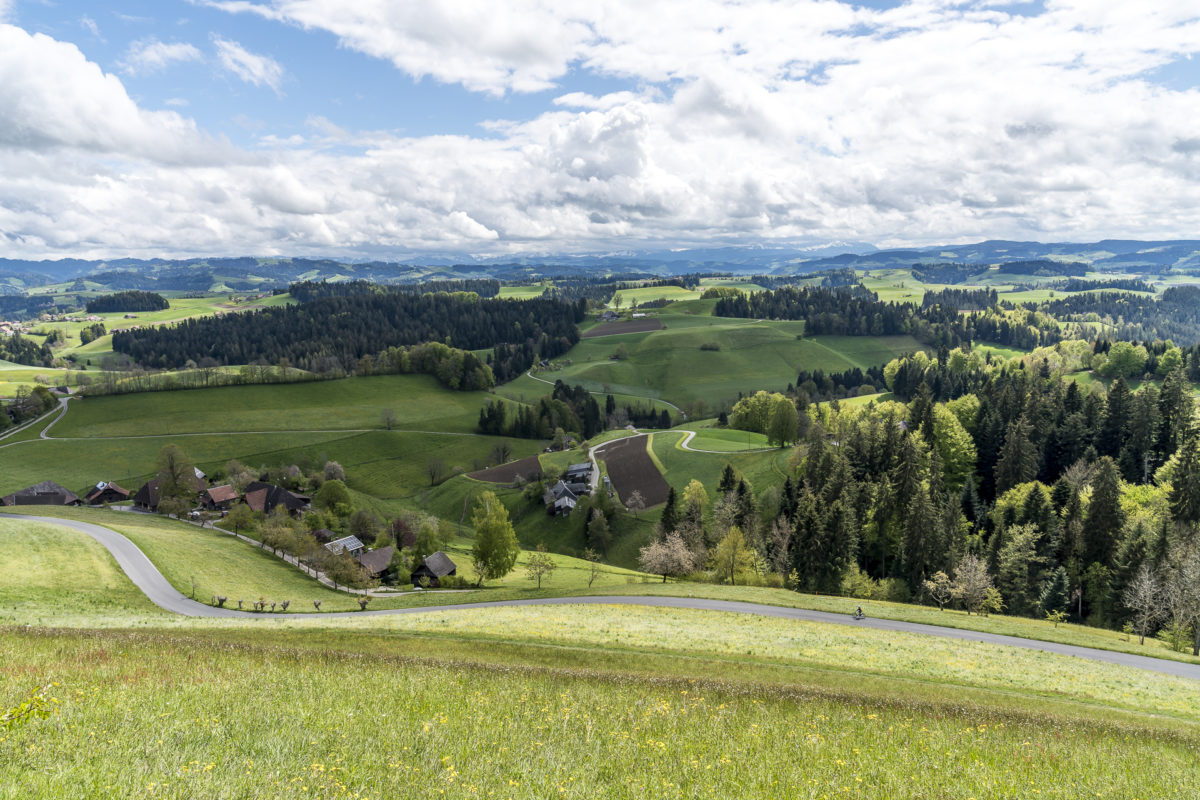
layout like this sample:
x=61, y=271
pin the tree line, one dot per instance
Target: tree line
x=859, y=312
x=307, y=291
x=23, y=350
x=1175, y=315
x=333, y=333
x=133, y=300
x=568, y=409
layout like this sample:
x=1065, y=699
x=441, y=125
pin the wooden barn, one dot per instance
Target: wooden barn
x=433, y=569
x=46, y=493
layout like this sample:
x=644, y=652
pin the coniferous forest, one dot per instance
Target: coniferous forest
x=333, y=333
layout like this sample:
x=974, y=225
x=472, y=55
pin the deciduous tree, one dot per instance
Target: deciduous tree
x=496, y=548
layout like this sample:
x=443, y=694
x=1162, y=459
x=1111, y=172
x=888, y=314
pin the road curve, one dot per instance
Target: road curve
x=147, y=578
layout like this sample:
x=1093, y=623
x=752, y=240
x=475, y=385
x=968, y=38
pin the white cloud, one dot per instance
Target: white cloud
x=802, y=122
x=89, y=25
x=150, y=55
x=252, y=68
x=52, y=97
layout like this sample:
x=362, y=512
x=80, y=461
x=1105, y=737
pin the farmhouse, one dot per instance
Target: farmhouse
x=46, y=493
x=106, y=493
x=610, y=316
x=433, y=569
x=377, y=562
x=265, y=497
x=219, y=498
x=560, y=499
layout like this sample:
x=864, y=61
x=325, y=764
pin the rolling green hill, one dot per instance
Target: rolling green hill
x=750, y=355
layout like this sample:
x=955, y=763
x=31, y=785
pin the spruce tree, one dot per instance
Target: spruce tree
x=1018, y=458
x=670, y=513
x=1105, y=517
x=1055, y=593
x=1185, y=483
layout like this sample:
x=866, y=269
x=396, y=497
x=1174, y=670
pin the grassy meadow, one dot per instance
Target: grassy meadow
x=670, y=364
x=118, y=438
x=319, y=712
x=545, y=701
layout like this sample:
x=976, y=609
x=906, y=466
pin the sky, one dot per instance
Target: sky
x=375, y=129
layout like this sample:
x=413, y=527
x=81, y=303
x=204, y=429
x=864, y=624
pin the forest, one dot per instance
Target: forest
x=307, y=291
x=1175, y=315
x=133, y=300
x=331, y=334
x=859, y=312
x=22, y=350
x=1045, y=485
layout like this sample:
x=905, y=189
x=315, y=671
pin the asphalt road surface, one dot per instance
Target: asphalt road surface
x=147, y=578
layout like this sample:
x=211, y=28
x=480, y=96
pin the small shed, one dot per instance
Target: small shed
x=435, y=567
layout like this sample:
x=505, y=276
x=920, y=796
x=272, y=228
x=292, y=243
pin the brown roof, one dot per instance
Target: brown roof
x=222, y=494
x=376, y=561
x=103, y=487
x=266, y=496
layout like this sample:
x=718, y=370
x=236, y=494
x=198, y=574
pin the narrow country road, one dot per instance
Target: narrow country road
x=147, y=578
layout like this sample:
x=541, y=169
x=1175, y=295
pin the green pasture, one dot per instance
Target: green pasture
x=282, y=714
x=732, y=283
x=644, y=294
x=670, y=364
x=894, y=285
x=418, y=401
x=56, y=576
x=523, y=292
x=680, y=466
x=998, y=350
x=526, y=389
x=81, y=463
x=725, y=440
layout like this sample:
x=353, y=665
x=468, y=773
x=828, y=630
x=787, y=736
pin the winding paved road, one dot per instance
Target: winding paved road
x=147, y=578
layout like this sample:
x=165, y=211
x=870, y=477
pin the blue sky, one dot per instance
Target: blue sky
x=367, y=129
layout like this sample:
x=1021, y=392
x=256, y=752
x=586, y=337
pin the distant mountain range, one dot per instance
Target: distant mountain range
x=250, y=273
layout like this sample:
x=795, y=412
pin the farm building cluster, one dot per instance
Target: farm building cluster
x=259, y=496
x=561, y=498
